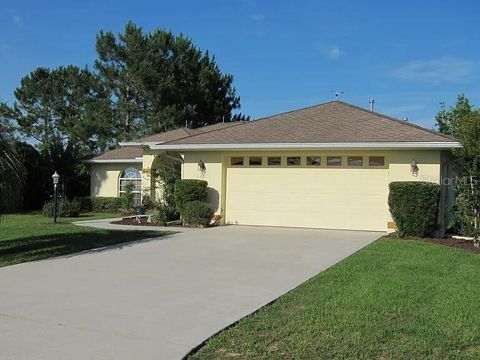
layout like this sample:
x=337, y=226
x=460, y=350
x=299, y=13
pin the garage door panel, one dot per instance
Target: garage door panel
x=305, y=197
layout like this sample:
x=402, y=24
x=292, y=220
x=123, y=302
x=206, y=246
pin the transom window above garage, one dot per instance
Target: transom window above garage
x=314, y=160
x=236, y=161
x=355, y=161
x=376, y=161
x=334, y=161
x=255, y=161
x=274, y=161
x=293, y=161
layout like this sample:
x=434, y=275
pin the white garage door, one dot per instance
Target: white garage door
x=308, y=197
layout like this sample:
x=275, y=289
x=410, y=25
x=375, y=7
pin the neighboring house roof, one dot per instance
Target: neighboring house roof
x=121, y=155
x=330, y=123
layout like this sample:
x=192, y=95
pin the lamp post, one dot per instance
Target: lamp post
x=55, y=178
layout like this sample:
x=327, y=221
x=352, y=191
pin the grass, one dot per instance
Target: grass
x=392, y=300
x=28, y=237
x=91, y=216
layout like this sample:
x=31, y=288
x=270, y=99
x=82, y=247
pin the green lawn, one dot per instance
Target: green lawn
x=28, y=237
x=90, y=216
x=392, y=300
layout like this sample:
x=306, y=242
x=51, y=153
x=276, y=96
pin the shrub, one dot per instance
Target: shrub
x=167, y=174
x=47, y=209
x=85, y=203
x=66, y=208
x=414, y=207
x=147, y=202
x=159, y=215
x=187, y=190
x=197, y=213
x=127, y=198
x=112, y=204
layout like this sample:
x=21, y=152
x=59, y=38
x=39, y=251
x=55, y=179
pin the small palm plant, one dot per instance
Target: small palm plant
x=12, y=175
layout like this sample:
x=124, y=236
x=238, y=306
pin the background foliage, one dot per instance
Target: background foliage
x=141, y=83
x=463, y=122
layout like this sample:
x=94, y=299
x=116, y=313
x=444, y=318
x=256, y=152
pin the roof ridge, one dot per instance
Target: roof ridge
x=208, y=132
x=388, y=117
x=295, y=110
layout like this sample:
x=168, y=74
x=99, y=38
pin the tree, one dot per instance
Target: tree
x=38, y=178
x=159, y=81
x=66, y=112
x=142, y=83
x=11, y=173
x=463, y=122
x=64, y=106
x=446, y=118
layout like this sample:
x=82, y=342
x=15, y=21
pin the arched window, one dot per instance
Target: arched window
x=131, y=175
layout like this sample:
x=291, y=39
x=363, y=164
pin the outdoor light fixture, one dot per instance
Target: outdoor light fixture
x=202, y=167
x=55, y=178
x=414, y=168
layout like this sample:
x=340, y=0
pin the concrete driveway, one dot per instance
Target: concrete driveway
x=159, y=298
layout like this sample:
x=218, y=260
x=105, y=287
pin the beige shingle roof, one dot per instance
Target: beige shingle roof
x=130, y=153
x=121, y=153
x=186, y=132
x=331, y=122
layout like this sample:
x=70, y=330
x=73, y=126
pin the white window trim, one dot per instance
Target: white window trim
x=120, y=192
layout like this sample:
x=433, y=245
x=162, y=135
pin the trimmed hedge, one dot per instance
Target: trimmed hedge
x=197, y=213
x=85, y=203
x=112, y=204
x=66, y=208
x=187, y=190
x=414, y=207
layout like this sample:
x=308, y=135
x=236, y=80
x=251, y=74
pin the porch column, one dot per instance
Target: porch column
x=148, y=178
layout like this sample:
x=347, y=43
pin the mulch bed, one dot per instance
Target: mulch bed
x=133, y=221
x=451, y=242
x=456, y=243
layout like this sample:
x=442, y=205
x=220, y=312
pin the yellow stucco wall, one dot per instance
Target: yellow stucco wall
x=351, y=181
x=104, y=178
x=369, y=180
x=213, y=174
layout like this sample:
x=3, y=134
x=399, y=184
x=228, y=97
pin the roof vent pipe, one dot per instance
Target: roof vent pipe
x=371, y=102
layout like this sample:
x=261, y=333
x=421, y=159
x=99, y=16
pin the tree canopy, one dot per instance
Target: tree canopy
x=141, y=83
x=463, y=122
x=447, y=118
x=159, y=81
x=59, y=106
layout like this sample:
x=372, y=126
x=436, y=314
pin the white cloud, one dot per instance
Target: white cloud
x=332, y=52
x=446, y=69
x=18, y=20
x=257, y=17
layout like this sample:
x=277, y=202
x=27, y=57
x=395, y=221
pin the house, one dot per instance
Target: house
x=325, y=166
